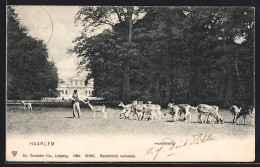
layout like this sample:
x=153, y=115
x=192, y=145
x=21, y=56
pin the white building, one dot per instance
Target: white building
x=76, y=83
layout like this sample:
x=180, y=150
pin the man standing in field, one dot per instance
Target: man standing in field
x=75, y=102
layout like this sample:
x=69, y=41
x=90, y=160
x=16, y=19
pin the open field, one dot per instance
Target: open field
x=59, y=121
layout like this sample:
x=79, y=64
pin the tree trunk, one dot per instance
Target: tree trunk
x=125, y=90
x=221, y=91
x=221, y=85
x=238, y=76
x=228, y=92
x=156, y=97
x=130, y=23
x=168, y=90
x=199, y=80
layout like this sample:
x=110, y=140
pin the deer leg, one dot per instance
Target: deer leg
x=208, y=120
x=30, y=107
x=211, y=120
x=236, y=119
x=136, y=116
x=205, y=119
x=175, y=116
x=253, y=120
x=198, y=117
x=105, y=113
x=187, y=114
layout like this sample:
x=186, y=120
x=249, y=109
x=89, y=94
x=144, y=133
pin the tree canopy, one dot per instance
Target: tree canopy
x=176, y=54
x=29, y=73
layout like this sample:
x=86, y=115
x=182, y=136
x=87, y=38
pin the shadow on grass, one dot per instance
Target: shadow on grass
x=194, y=122
x=241, y=124
x=179, y=120
x=229, y=122
x=232, y=123
x=69, y=117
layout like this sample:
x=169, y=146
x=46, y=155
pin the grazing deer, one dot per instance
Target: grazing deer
x=184, y=109
x=138, y=109
x=126, y=110
x=157, y=109
x=235, y=111
x=208, y=111
x=247, y=111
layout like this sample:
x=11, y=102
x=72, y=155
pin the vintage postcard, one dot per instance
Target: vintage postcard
x=130, y=84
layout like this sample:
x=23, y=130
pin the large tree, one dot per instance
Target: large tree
x=177, y=54
x=96, y=17
x=29, y=73
x=218, y=58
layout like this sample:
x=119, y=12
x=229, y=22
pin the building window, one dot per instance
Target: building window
x=86, y=92
x=66, y=92
x=76, y=83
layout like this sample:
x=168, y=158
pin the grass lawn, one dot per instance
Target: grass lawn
x=59, y=121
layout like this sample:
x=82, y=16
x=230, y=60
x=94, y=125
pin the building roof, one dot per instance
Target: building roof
x=75, y=78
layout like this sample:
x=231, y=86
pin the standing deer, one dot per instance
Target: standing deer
x=27, y=105
x=97, y=108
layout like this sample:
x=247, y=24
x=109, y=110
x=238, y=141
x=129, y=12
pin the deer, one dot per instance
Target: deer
x=97, y=108
x=27, y=105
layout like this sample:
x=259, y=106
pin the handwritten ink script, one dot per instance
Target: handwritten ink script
x=169, y=145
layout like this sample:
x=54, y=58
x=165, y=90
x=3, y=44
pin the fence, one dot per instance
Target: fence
x=60, y=103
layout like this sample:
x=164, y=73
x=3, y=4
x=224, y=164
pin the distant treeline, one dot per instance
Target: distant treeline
x=171, y=54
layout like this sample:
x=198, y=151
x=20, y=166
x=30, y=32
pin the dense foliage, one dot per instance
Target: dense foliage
x=29, y=73
x=176, y=54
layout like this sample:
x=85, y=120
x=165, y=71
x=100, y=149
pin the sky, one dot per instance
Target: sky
x=55, y=26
